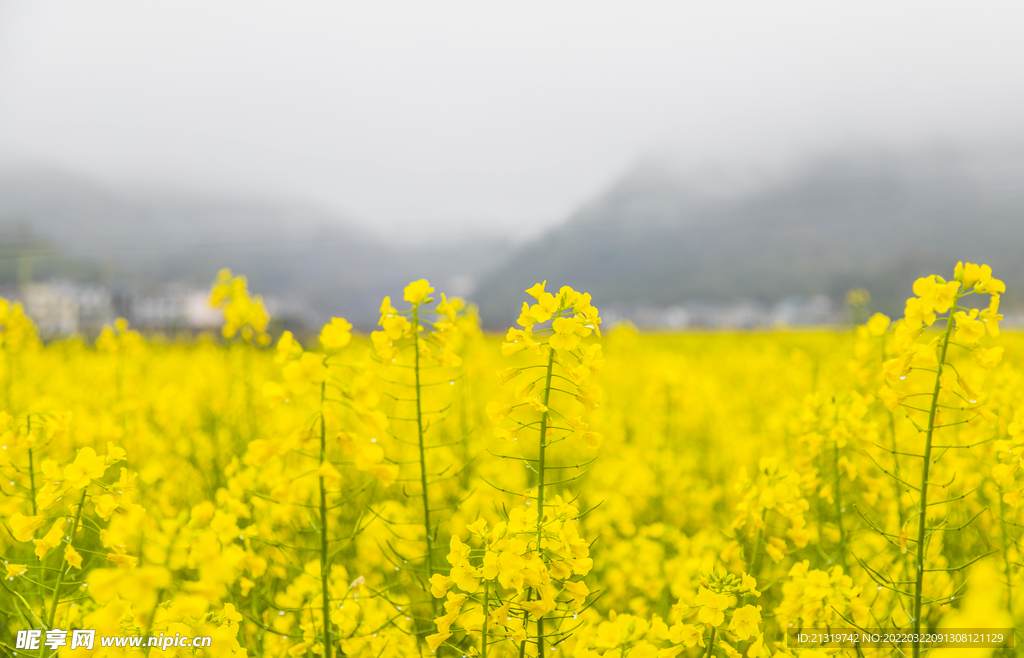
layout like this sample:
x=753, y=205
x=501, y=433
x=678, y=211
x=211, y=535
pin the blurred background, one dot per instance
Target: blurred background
x=727, y=164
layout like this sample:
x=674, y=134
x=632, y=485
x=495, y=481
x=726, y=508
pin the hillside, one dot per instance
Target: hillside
x=656, y=239
x=319, y=263
x=828, y=227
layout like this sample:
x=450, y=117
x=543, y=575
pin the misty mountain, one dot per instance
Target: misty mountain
x=660, y=239
x=316, y=262
x=657, y=239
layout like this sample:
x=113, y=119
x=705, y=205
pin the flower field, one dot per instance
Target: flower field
x=567, y=489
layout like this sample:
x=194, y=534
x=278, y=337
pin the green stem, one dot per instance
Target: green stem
x=64, y=563
x=839, y=506
x=540, y=483
x=487, y=618
x=756, y=554
x=711, y=643
x=324, y=556
x=35, y=509
x=925, y=468
x=423, y=456
x=896, y=468
x=31, y=469
x=1006, y=562
x=526, y=616
x=897, y=491
x=464, y=479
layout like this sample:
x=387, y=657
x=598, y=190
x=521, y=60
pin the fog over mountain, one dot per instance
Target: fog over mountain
x=657, y=238
x=828, y=226
x=315, y=262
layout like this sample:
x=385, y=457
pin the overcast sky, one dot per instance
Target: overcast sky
x=509, y=115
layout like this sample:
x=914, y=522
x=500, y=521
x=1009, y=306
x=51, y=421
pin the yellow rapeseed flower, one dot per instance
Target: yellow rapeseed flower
x=417, y=291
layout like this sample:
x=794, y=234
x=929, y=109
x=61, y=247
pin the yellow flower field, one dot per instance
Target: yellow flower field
x=567, y=489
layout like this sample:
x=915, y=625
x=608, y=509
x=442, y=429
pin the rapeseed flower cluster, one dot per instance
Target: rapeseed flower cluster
x=244, y=314
x=564, y=489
